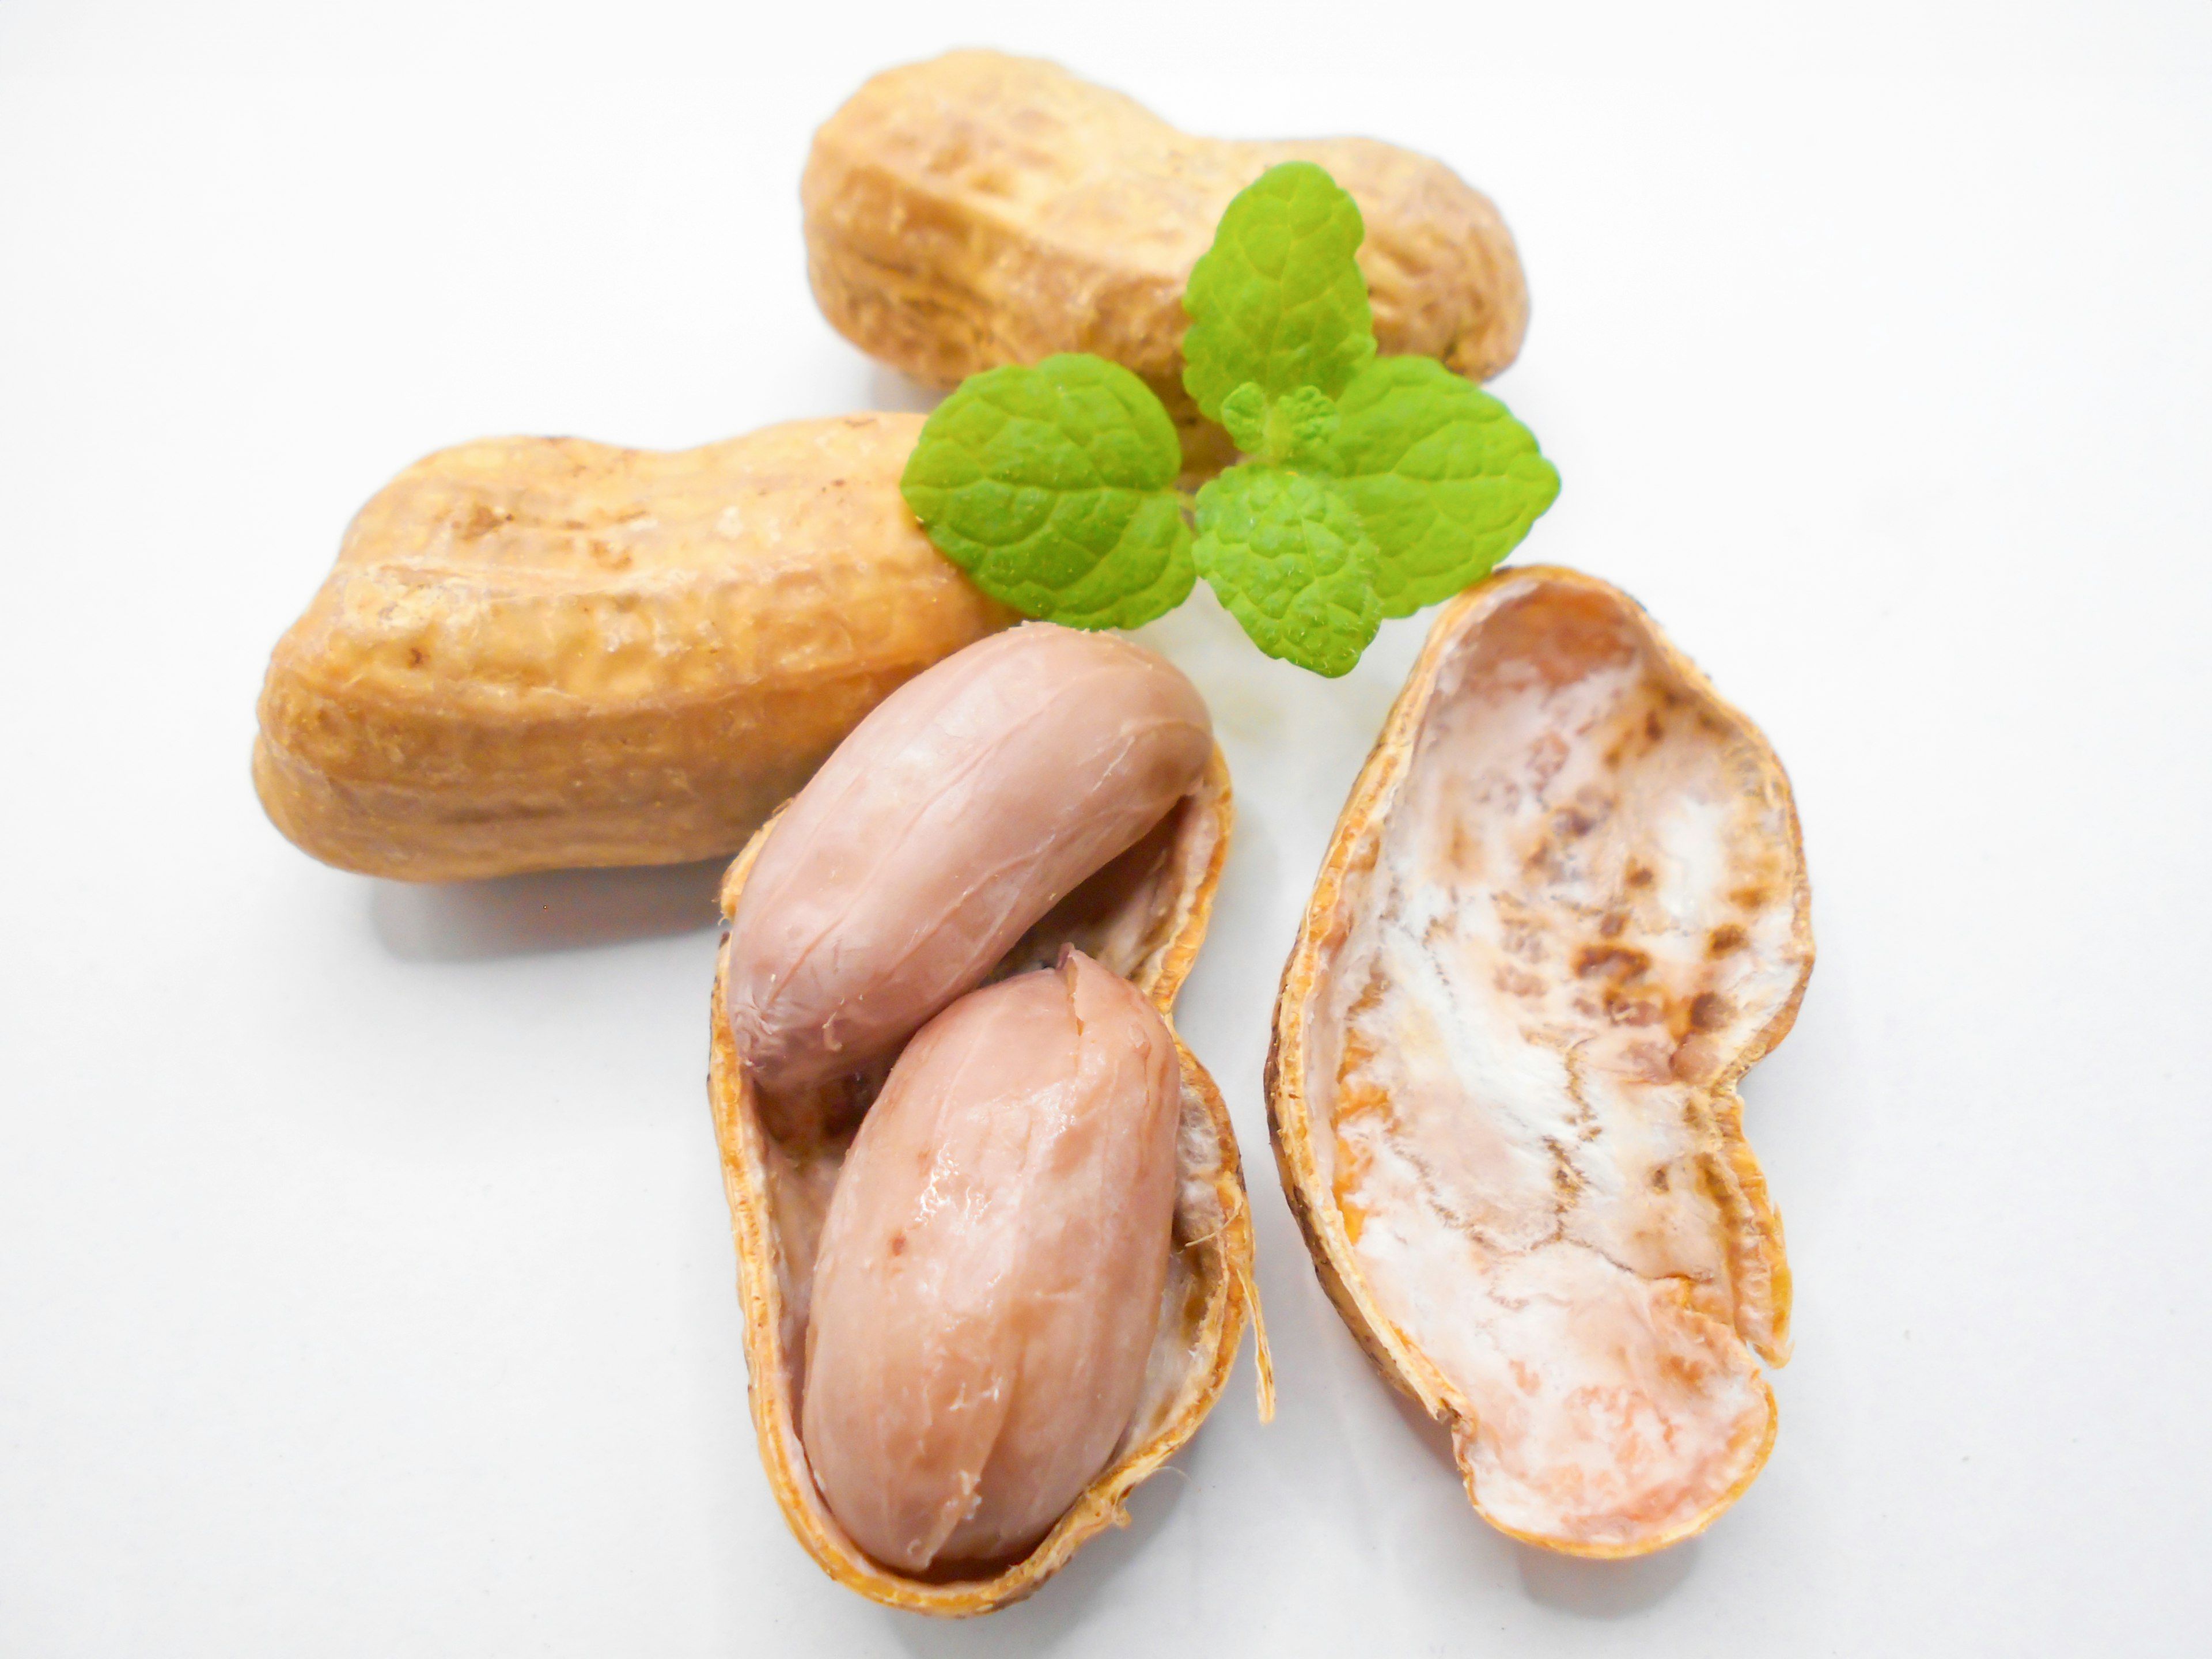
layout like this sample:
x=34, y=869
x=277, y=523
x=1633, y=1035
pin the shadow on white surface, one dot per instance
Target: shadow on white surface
x=890, y=390
x=1605, y=1589
x=1424, y=1428
x=1065, y=1603
x=554, y=910
x=1591, y=1589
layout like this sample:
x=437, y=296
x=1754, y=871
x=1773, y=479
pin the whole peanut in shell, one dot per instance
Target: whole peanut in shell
x=957, y=814
x=989, y=1279
x=540, y=653
x=978, y=210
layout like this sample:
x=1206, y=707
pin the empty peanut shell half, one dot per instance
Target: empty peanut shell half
x=979, y=209
x=539, y=652
x=1142, y=916
x=1564, y=911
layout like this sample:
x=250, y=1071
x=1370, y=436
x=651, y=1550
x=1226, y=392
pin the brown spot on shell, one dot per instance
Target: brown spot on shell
x=1543, y=865
x=1618, y=961
x=1567, y=1180
x=1466, y=854
x=1546, y=756
x=1519, y=937
x=1724, y=939
x=1516, y=983
x=898, y=1243
x=1632, y=1011
x=482, y=521
x=1639, y=875
x=1696, y=1058
x=1710, y=1010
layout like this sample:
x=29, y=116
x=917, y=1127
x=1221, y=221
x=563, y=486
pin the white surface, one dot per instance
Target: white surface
x=365, y=1282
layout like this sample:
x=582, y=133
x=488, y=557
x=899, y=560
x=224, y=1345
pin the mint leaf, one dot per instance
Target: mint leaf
x=1278, y=300
x=1300, y=424
x=1286, y=554
x=1244, y=412
x=1052, y=486
x=1291, y=430
x=1442, y=478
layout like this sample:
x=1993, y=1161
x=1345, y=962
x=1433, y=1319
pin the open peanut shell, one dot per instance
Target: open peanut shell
x=1143, y=916
x=1564, y=911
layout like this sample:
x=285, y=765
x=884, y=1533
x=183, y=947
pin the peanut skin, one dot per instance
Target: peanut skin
x=956, y=815
x=540, y=653
x=990, y=1276
x=978, y=210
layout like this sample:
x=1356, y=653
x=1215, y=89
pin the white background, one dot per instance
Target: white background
x=365, y=1282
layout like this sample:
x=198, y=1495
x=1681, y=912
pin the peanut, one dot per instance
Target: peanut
x=539, y=652
x=989, y=1281
x=978, y=210
x=955, y=816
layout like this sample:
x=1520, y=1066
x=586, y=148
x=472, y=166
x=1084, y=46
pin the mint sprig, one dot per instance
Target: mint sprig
x=1374, y=486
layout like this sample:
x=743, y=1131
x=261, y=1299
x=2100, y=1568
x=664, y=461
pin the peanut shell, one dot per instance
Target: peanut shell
x=1564, y=911
x=1143, y=916
x=541, y=653
x=978, y=210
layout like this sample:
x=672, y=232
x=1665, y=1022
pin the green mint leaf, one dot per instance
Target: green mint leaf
x=1442, y=478
x=1291, y=430
x=1286, y=554
x=1052, y=486
x=1300, y=424
x=1278, y=300
x=1244, y=412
